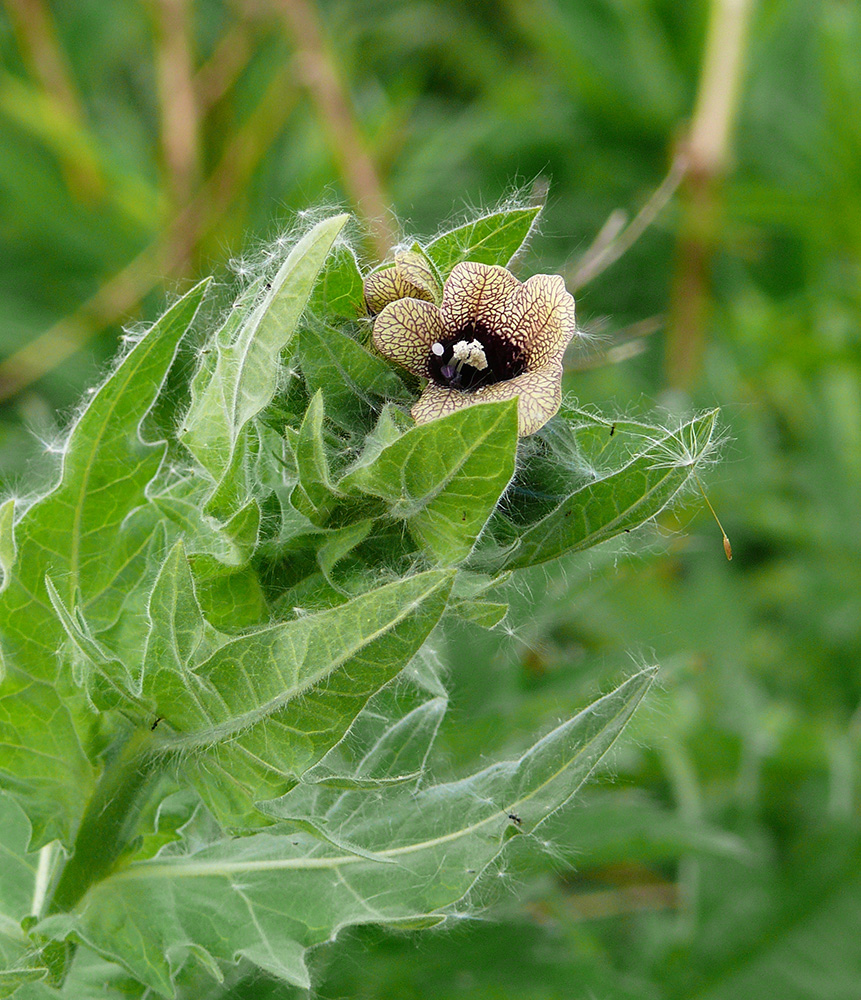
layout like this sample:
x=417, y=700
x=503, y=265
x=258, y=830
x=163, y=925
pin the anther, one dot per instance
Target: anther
x=469, y=353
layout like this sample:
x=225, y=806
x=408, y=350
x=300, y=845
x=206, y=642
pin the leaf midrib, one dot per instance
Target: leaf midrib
x=183, y=869
x=242, y=722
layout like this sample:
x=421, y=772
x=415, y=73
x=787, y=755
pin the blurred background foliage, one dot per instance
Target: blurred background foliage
x=146, y=142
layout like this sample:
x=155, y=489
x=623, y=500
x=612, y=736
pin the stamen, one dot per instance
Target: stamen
x=438, y=349
x=469, y=353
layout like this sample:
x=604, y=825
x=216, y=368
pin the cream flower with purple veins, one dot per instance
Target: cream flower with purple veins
x=409, y=275
x=492, y=338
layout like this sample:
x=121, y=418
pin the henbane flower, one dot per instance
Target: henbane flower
x=492, y=338
x=410, y=274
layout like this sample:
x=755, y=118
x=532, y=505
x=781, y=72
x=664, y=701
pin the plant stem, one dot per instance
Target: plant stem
x=108, y=822
x=707, y=152
x=328, y=94
x=178, y=104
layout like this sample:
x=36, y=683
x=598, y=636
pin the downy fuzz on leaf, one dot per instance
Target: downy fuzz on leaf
x=218, y=702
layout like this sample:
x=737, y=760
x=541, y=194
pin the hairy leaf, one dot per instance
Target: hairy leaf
x=444, y=478
x=612, y=503
x=253, y=714
x=492, y=239
x=351, y=378
x=242, y=379
x=270, y=896
x=90, y=533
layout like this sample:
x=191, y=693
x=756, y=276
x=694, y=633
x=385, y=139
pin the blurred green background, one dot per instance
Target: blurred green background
x=146, y=142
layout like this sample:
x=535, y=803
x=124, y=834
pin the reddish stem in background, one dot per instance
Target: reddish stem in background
x=318, y=73
x=707, y=151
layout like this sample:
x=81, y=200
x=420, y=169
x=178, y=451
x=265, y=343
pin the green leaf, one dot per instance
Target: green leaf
x=178, y=634
x=242, y=379
x=483, y=613
x=8, y=548
x=352, y=380
x=17, y=872
x=236, y=488
x=493, y=239
x=313, y=494
x=256, y=712
x=14, y=982
x=85, y=532
x=270, y=896
x=388, y=743
x=444, y=478
x=231, y=543
x=91, y=533
x=338, y=292
x=104, y=676
x=24, y=881
x=338, y=545
x=231, y=599
x=42, y=759
x=613, y=503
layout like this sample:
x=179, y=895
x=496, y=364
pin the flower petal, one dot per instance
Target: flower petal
x=539, y=395
x=404, y=332
x=479, y=293
x=543, y=320
x=410, y=276
x=438, y=401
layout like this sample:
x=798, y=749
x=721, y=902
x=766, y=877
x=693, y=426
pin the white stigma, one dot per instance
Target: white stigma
x=438, y=349
x=469, y=353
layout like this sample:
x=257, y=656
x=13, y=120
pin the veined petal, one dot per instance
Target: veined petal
x=438, y=401
x=409, y=276
x=479, y=293
x=539, y=394
x=542, y=313
x=404, y=332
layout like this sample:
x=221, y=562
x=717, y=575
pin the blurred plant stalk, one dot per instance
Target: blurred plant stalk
x=46, y=62
x=168, y=255
x=706, y=151
x=189, y=204
x=318, y=73
x=178, y=102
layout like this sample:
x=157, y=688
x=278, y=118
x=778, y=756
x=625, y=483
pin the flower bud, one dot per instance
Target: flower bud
x=410, y=275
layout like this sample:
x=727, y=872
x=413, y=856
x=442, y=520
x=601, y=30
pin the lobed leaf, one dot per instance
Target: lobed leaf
x=90, y=533
x=613, y=503
x=254, y=713
x=270, y=896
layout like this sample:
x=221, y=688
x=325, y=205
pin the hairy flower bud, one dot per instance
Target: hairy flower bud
x=410, y=275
